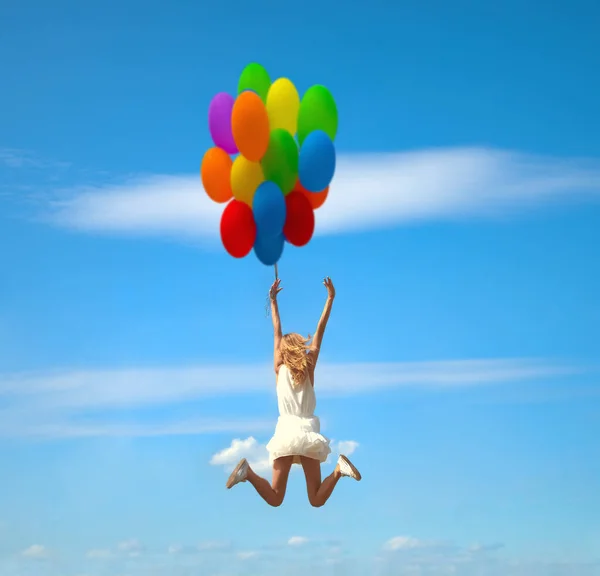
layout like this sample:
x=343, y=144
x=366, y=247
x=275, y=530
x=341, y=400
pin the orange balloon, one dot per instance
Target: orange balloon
x=250, y=126
x=216, y=174
x=316, y=199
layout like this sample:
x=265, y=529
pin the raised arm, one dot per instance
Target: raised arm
x=315, y=347
x=275, y=289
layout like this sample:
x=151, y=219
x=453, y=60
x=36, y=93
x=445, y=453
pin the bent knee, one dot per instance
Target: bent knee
x=277, y=500
x=315, y=502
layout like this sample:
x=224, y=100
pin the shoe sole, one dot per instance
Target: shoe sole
x=231, y=480
x=352, y=467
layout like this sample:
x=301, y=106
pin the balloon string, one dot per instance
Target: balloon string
x=268, y=304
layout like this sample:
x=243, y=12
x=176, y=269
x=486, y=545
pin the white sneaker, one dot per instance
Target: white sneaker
x=347, y=468
x=239, y=474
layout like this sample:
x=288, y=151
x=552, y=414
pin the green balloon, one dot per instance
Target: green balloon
x=255, y=77
x=280, y=162
x=317, y=112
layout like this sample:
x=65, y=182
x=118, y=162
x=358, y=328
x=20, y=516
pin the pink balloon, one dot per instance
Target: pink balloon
x=219, y=122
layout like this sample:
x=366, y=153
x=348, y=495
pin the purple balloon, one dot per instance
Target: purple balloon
x=219, y=122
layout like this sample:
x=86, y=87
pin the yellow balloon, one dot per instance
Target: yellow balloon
x=283, y=104
x=246, y=177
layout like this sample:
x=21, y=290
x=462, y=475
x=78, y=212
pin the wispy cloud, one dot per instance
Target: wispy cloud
x=28, y=179
x=346, y=447
x=214, y=546
x=56, y=404
x=403, y=543
x=210, y=546
x=298, y=541
x=432, y=557
x=132, y=547
x=58, y=425
x=12, y=158
x=107, y=388
x=37, y=552
x=100, y=554
x=369, y=191
x=409, y=555
x=247, y=554
x=486, y=547
x=15, y=158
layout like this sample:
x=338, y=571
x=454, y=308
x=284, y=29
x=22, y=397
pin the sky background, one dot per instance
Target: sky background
x=460, y=367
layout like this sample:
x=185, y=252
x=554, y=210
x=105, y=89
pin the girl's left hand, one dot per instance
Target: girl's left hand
x=275, y=289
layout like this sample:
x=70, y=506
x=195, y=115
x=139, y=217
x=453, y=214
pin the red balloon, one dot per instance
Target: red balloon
x=238, y=229
x=316, y=199
x=300, y=219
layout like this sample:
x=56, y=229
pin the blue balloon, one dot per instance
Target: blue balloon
x=268, y=249
x=316, y=164
x=268, y=206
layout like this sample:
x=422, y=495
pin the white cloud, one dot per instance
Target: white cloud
x=36, y=551
x=253, y=451
x=127, y=548
x=369, y=191
x=403, y=543
x=157, y=205
x=247, y=555
x=131, y=547
x=214, y=546
x=485, y=547
x=297, y=541
x=99, y=554
x=47, y=405
x=346, y=447
x=209, y=546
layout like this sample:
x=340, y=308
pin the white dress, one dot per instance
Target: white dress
x=298, y=430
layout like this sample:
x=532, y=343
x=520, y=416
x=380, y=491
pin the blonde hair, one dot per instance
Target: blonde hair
x=293, y=349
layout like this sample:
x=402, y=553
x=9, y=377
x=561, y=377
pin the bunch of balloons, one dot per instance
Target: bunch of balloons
x=272, y=162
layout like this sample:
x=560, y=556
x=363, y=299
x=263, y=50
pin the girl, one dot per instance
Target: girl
x=297, y=438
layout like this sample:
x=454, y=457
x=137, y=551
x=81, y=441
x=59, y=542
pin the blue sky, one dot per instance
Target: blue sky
x=460, y=366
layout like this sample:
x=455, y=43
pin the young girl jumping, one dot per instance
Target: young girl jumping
x=297, y=438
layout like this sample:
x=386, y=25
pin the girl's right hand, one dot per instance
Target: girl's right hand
x=275, y=289
x=330, y=288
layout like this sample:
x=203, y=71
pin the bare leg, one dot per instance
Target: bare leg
x=318, y=492
x=272, y=494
